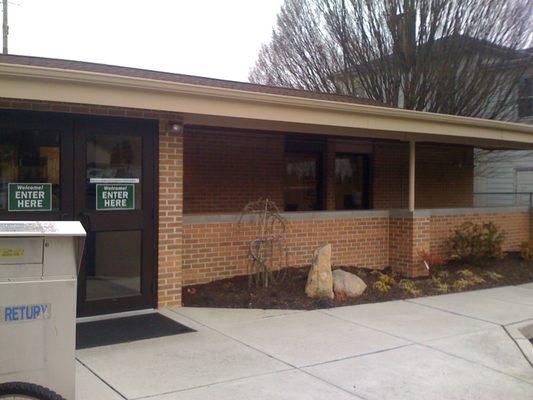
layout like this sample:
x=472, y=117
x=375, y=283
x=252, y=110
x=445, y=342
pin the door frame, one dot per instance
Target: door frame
x=71, y=166
x=148, y=130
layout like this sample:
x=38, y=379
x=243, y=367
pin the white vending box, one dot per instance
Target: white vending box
x=39, y=264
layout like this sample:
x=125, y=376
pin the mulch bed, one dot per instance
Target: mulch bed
x=290, y=293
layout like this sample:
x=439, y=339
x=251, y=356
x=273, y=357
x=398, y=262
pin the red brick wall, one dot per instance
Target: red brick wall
x=224, y=171
x=444, y=176
x=170, y=186
x=516, y=226
x=36, y=105
x=390, y=176
x=219, y=250
x=408, y=237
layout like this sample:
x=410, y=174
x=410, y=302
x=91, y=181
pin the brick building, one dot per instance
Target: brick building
x=379, y=184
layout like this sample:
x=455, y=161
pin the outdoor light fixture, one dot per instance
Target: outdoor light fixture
x=175, y=127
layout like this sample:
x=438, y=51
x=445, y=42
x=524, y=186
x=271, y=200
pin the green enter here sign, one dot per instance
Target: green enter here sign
x=115, y=197
x=29, y=197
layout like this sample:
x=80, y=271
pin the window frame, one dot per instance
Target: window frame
x=367, y=198
x=319, y=157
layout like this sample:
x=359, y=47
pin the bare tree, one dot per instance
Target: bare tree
x=462, y=57
x=267, y=250
x=301, y=54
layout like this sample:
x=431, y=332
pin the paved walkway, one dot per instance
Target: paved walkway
x=448, y=347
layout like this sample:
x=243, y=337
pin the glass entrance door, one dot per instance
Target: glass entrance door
x=114, y=178
x=99, y=171
x=35, y=166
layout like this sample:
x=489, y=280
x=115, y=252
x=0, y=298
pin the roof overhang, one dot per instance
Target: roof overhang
x=215, y=106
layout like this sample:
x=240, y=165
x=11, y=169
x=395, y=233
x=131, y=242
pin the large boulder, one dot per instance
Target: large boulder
x=320, y=280
x=347, y=284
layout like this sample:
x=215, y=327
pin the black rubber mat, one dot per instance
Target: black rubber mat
x=126, y=329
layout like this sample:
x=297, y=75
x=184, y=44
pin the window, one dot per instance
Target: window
x=29, y=156
x=351, y=182
x=302, y=181
x=114, y=156
x=525, y=97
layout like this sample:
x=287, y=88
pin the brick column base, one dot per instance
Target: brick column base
x=409, y=235
x=530, y=223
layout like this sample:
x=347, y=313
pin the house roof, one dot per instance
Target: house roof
x=180, y=78
x=513, y=56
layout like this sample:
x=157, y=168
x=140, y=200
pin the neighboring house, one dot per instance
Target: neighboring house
x=504, y=177
x=520, y=102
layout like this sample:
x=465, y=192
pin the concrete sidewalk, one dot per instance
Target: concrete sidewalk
x=442, y=347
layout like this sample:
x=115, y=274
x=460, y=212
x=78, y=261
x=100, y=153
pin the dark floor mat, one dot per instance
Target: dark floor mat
x=126, y=329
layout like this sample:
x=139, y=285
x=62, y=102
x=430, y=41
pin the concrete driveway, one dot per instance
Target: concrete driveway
x=452, y=346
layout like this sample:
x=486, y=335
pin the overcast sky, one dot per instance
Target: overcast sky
x=215, y=38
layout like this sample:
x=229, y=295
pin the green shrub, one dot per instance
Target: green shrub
x=443, y=274
x=409, y=287
x=467, y=279
x=470, y=276
x=493, y=275
x=476, y=243
x=387, y=279
x=362, y=274
x=526, y=250
x=440, y=286
x=461, y=284
x=381, y=286
x=384, y=282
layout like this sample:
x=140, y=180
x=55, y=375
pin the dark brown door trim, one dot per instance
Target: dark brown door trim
x=122, y=220
x=72, y=129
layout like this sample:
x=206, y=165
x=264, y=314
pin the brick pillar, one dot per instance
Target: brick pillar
x=170, y=233
x=530, y=223
x=409, y=235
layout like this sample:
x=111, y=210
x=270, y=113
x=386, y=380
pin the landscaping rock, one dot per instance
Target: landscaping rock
x=320, y=280
x=347, y=284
